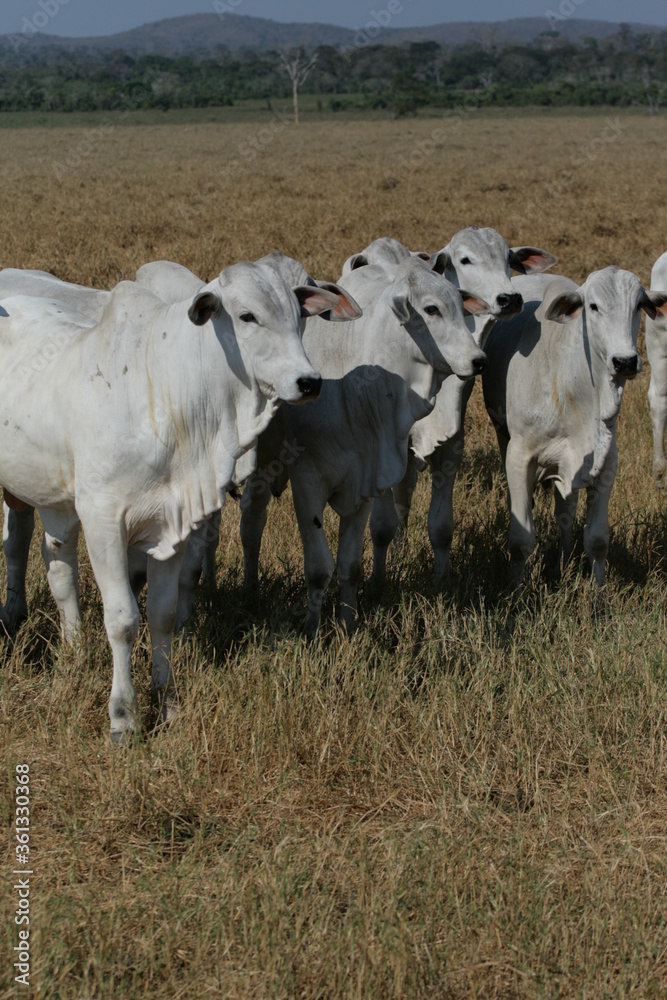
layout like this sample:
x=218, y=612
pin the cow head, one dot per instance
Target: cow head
x=295, y=274
x=386, y=252
x=256, y=316
x=609, y=305
x=432, y=311
x=480, y=260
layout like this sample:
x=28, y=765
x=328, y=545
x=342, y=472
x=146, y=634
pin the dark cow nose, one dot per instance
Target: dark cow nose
x=310, y=387
x=510, y=303
x=479, y=364
x=625, y=365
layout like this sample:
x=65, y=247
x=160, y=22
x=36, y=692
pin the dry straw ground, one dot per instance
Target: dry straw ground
x=464, y=799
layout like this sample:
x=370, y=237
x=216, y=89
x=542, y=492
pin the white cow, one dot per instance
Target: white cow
x=381, y=374
x=656, y=353
x=172, y=283
x=133, y=430
x=553, y=391
x=479, y=261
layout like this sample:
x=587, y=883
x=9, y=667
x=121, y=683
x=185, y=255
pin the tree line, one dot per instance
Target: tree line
x=622, y=70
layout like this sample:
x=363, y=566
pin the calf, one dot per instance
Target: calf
x=553, y=391
x=480, y=261
x=381, y=374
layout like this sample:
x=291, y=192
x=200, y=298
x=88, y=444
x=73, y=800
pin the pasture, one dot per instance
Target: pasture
x=466, y=798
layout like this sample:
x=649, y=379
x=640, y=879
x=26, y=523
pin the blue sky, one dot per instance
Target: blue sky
x=104, y=17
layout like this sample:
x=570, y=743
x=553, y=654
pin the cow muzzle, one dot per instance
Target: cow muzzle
x=508, y=304
x=309, y=387
x=626, y=366
x=478, y=364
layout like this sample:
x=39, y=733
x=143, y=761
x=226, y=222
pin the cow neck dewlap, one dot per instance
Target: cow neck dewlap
x=480, y=327
x=396, y=353
x=445, y=420
x=609, y=392
x=215, y=390
x=591, y=433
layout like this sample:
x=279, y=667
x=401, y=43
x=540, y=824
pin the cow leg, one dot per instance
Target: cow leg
x=107, y=547
x=137, y=569
x=389, y=521
x=520, y=471
x=657, y=401
x=444, y=462
x=596, y=528
x=309, y=501
x=199, y=558
x=254, y=502
x=209, y=581
x=403, y=493
x=384, y=524
x=565, y=510
x=503, y=439
x=16, y=537
x=161, y=606
x=62, y=572
x=349, y=564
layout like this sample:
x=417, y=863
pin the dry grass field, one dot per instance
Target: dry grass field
x=464, y=799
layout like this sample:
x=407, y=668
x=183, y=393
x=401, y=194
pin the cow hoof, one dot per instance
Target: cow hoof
x=374, y=589
x=166, y=704
x=348, y=625
x=311, y=626
x=443, y=580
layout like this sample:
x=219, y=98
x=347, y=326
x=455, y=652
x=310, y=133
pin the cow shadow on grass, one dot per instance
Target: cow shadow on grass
x=478, y=583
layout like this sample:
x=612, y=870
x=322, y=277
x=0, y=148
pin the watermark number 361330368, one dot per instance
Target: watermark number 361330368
x=22, y=869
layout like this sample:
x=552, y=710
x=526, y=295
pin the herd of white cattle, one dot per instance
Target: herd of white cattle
x=133, y=413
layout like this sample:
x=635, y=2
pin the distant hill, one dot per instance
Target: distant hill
x=201, y=33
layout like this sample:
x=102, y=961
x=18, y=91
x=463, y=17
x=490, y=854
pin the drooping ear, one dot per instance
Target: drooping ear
x=565, y=307
x=204, y=305
x=314, y=300
x=654, y=305
x=401, y=307
x=346, y=309
x=440, y=261
x=421, y=254
x=530, y=260
x=472, y=304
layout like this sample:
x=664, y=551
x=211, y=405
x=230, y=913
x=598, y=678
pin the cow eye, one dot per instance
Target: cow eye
x=248, y=317
x=594, y=308
x=466, y=260
x=431, y=310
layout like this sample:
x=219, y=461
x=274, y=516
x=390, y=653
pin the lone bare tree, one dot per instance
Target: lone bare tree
x=655, y=92
x=298, y=66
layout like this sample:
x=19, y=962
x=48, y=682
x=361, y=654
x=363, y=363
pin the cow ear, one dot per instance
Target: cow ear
x=421, y=254
x=654, y=305
x=357, y=260
x=440, y=261
x=346, y=309
x=401, y=307
x=204, y=305
x=314, y=300
x=565, y=307
x=472, y=304
x=530, y=260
